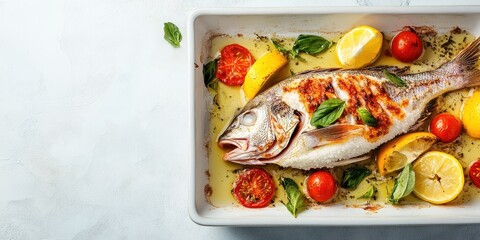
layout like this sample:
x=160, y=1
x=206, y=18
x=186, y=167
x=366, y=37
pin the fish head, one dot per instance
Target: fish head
x=260, y=132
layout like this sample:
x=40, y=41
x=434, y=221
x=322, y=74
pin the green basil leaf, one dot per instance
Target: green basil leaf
x=327, y=113
x=209, y=74
x=172, y=34
x=310, y=44
x=396, y=80
x=367, y=117
x=411, y=182
x=279, y=46
x=296, y=200
x=404, y=184
x=353, y=176
x=369, y=194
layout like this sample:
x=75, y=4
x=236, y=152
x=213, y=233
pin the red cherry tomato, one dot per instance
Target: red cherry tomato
x=233, y=65
x=254, y=188
x=474, y=173
x=446, y=127
x=321, y=186
x=407, y=46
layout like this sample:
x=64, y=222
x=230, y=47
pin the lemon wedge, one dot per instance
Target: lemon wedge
x=438, y=177
x=261, y=71
x=471, y=115
x=399, y=152
x=359, y=47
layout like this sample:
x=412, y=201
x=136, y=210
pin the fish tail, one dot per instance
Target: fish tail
x=464, y=64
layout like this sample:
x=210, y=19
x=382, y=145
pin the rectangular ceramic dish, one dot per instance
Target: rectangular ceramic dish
x=293, y=21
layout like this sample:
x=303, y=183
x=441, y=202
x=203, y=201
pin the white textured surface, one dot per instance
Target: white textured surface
x=93, y=124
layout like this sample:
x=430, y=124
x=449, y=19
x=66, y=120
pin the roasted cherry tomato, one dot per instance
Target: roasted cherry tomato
x=233, y=64
x=406, y=46
x=321, y=186
x=446, y=127
x=474, y=173
x=254, y=188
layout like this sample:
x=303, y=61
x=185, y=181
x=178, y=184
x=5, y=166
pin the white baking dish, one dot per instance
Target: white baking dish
x=293, y=21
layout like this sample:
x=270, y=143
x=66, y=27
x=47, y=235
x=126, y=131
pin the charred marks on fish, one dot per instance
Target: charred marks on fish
x=312, y=91
x=363, y=91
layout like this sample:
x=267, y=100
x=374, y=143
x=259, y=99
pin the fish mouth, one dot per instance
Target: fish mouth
x=234, y=144
x=238, y=149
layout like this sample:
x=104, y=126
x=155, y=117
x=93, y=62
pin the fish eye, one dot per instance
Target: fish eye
x=248, y=119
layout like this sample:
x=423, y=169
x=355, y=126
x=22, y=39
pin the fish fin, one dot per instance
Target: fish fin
x=331, y=134
x=249, y=162
x=351, y=160
x=429, y=109
x=472, y=78
x=464, y=64
x=468, y=57
x=392, y=69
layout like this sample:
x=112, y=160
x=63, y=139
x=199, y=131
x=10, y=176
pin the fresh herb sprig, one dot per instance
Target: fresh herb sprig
x=309, y=44
x=396, y=80
x=172, y=34
x=403, y=185
x=209, y=74
x=353, y=176
x=296, y=200
x=367, y=117
x=328, y=112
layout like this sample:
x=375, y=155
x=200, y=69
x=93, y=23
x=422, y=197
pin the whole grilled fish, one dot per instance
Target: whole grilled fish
x=274, y=127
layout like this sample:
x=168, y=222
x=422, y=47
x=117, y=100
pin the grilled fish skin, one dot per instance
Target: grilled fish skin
x=274, y=127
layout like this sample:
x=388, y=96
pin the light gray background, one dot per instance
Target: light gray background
x=93, y=126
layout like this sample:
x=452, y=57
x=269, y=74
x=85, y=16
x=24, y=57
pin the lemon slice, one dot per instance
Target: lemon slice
x=261, y=71
x=471, y=115
x=399, y=152
x=359, y=47
x=438, y=177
